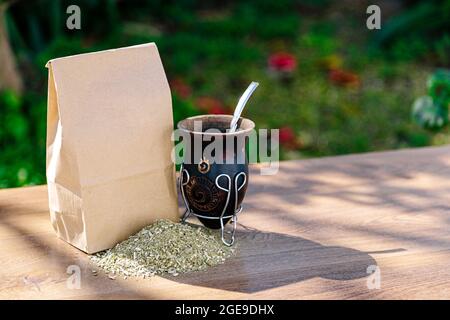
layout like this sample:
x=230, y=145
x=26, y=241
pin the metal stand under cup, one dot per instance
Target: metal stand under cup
x=237, y=209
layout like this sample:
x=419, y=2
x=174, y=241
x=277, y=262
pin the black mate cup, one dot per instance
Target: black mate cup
x=214, y=173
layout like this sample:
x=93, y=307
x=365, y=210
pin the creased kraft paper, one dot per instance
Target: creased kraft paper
x=109, y=126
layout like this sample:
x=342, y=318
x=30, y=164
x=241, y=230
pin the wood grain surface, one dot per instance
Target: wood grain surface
x=313, y=231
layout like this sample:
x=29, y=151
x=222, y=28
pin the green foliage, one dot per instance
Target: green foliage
x=438, y=86
x=431, y=111
x=216, y=48
x=429, y=114
x=22, y=143
x=420, y=31
x=182, y=109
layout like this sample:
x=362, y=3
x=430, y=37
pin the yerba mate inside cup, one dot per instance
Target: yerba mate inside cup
x=214, y=172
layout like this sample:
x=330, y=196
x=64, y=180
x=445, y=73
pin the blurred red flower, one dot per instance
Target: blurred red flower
x=282, y=62
x=218, y=110
x=288, y=139
x=211, y=105
x=180, y=87
x=344, y=78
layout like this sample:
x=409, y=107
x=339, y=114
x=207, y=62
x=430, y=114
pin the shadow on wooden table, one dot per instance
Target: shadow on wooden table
x=267, y=260
x=42, y=267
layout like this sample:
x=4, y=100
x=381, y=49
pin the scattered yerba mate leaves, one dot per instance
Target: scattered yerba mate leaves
x=164, y=247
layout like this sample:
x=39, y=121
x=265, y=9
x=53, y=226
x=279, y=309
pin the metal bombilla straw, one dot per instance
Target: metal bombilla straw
x=241, y=104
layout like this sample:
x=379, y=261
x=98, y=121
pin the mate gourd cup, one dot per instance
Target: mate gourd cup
x=213, y=183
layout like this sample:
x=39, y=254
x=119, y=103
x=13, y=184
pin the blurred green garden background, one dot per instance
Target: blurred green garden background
x=331, y=85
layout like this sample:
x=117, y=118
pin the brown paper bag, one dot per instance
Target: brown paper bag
x=109, y=125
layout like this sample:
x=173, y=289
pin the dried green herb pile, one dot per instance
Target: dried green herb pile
x=164, y=247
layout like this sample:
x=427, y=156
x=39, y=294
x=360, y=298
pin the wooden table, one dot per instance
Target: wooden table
x=320, y=229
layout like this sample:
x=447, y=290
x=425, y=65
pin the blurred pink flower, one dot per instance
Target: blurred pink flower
x=288, y=139
x=282, y=62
